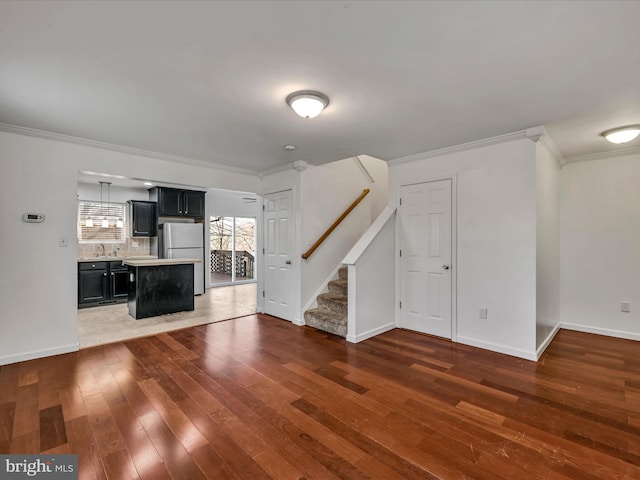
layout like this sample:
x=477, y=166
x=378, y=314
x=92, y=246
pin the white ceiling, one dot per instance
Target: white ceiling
x=207, y=80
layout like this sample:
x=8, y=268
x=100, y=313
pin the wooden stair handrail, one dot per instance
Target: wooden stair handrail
x=324, y=236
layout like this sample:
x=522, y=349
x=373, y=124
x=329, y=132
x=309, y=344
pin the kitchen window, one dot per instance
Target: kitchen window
x=91, y=218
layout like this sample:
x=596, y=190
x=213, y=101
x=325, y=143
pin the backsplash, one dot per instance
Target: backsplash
x=126, y=249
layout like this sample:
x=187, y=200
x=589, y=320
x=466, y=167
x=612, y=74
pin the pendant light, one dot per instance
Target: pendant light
x=120, y=221
x=89, y=221
x=105, y=222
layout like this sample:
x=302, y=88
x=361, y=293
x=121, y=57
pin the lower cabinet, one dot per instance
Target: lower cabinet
x=119, y=278
x=101, y=283
x=92, y=282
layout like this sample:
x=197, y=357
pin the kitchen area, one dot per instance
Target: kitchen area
x=142, y=265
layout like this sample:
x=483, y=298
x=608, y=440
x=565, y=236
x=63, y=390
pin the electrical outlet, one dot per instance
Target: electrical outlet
x=625, y=307
x=483, y=313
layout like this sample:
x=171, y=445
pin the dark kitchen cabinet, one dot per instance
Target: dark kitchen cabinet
x=194, y=203
x=119, y=278
x=144, y=218
x=160, y=289
x=175, y=202
x=101, y=283
x=93, y=282
x=170, y=202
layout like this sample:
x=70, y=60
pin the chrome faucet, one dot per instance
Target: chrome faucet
x=103, y=250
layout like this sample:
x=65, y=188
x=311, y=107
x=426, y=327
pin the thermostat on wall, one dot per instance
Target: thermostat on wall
x=33, y=217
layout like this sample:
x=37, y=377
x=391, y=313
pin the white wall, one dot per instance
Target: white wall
x=547, y=246
x=599, y=242
x=38, y=295
x=38, y=283
x=91, y=191
x=379, y=171
x=372, y=282
x=326, y=191
x=496, y=239
x=232, y=204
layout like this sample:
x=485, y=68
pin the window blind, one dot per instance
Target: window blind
x=97, y=211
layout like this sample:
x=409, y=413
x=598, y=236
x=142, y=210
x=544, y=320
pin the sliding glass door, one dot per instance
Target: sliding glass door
x=233, y=250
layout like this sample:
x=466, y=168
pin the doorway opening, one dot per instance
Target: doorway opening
x=233, y=250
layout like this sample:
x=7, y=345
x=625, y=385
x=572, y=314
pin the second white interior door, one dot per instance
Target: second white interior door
x=425, y=264
x=278, y=245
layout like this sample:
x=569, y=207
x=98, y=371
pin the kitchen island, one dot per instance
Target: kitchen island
x=159, y=286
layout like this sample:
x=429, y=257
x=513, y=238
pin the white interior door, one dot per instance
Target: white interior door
x=425, y=239
x=278, y=245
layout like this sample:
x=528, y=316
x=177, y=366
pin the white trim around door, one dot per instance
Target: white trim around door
x=427, y=257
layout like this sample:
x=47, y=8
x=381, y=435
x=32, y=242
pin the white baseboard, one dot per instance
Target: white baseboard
x=514, y=352
x=47, y=352
x=371, y=333
x=299, y=321
x=600, y=331
x=543, y=346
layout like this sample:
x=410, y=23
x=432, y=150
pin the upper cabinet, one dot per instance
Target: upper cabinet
x=144, y=218
x=175, y=202
x=194, y=203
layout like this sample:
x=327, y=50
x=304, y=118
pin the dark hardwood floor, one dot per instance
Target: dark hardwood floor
x=259, y=398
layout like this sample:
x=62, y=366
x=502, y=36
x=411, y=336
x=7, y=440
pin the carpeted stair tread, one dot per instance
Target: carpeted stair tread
x=338, y=286
x=342, y=273
x=333, y=301
x=327, y=321
x=332, y=311
x=326, y=316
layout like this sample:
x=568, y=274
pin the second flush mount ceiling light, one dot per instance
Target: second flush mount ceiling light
x=307, y=103
x=622, y=134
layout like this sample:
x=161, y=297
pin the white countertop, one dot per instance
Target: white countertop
x=106, y=258
x=156, y=262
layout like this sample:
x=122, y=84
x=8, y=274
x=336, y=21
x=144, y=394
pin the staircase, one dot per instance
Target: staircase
x=331, y=313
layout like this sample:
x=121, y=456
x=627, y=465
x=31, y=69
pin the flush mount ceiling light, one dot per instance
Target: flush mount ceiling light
x=622, y=134
x=307, y=103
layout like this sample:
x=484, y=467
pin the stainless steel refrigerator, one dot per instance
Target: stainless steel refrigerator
x=186, y=240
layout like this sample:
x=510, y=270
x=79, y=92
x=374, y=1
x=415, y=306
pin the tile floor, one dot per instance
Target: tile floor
x=111, y=323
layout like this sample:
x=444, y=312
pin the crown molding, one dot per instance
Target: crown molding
x=603, y=155
x=33, y=132
x=300, y=165
x=278, y=169
x=363, y=169
x=534, y=133
x=547, y=142
x=531, y=133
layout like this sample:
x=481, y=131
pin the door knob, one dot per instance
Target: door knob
x=445, y=267
x=288, y=262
